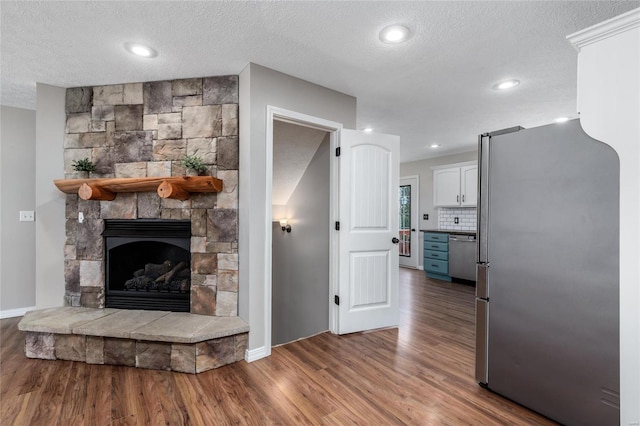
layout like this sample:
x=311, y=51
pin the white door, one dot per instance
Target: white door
x=409, y=247
x=368, y=235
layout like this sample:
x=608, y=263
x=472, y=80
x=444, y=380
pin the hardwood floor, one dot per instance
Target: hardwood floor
x=420, y=373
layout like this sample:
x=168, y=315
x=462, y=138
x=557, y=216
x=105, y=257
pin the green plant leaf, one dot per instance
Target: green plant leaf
x=83, y=165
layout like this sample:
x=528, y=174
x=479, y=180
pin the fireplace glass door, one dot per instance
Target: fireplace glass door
x=148, y=264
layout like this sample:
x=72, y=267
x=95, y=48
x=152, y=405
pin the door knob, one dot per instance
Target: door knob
x=394, y=240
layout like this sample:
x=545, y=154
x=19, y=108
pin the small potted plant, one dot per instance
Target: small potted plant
x=83, y=167
x=193, y=165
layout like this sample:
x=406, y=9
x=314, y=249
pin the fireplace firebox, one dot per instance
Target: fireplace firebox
x=148, y=264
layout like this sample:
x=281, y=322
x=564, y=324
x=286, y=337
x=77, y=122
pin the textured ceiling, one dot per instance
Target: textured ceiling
x=435, y=88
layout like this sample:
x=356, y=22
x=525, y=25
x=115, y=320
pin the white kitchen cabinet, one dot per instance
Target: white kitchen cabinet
x=455, y=186
x=446, y=187
x=469, y=186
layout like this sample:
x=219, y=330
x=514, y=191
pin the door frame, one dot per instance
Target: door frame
x=415, y=223
x=333, y=128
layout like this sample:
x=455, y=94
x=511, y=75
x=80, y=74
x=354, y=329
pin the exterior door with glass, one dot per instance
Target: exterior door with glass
x=409, y=246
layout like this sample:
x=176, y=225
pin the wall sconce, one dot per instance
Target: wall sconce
x=284, y=226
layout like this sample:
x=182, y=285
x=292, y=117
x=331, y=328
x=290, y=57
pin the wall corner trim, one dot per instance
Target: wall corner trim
x=12, y=313
x=256, y=354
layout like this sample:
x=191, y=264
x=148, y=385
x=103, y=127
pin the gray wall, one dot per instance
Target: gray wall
x=259, y=87
x=50, y=210
x=17, y=192
x=300, y=284
x=422, y=168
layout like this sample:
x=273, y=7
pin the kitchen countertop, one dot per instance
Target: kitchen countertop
x=450, y=231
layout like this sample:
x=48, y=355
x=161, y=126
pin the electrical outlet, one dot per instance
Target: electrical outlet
x=456, y=220
x=425, y=216
x=80, y=217
x=27, y=216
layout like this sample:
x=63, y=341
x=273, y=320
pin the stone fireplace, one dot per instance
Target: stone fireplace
x=154, y=262
x=144, y=130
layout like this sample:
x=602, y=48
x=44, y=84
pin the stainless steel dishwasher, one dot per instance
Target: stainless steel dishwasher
x=462, y=256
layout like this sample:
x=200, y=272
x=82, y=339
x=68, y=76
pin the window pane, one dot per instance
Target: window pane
x=405, y=220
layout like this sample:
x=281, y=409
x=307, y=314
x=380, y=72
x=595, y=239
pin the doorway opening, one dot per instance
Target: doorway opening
x=300, y=251
x=275, y=116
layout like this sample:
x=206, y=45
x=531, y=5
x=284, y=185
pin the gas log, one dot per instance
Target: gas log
x=161, y=277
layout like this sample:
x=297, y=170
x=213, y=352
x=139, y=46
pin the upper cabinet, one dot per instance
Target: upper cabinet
x=446, y=187
x=455, y=185
x=469, y=186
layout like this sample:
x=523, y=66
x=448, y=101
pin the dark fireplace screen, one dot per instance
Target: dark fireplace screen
x=148, y=264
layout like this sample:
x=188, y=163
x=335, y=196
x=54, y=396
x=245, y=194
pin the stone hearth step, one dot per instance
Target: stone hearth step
x=158, y=340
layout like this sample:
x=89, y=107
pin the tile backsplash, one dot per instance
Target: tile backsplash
x=467, y=218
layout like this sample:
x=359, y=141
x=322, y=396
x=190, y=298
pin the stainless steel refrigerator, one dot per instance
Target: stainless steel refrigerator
x=547, y=298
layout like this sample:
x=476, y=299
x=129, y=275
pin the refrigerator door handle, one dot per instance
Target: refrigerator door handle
x=483, y=197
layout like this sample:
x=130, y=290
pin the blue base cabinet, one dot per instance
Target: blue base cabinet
x=436, y=255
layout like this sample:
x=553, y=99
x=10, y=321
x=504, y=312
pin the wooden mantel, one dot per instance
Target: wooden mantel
x=177, y=187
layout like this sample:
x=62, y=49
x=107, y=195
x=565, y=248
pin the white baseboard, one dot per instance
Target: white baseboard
x=11, y=313
x=420, y=268
x=256, y=354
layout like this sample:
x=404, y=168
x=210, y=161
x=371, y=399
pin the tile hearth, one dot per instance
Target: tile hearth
x=159, y=340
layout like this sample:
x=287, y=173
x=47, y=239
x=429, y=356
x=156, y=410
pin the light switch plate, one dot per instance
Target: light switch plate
x=27, y=216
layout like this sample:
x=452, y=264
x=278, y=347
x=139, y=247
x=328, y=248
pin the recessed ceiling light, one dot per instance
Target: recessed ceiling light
x=434, y=145
x=140, y=50
x=508, y=84
x=368, y=129
x=394, y=34
x=561, y=119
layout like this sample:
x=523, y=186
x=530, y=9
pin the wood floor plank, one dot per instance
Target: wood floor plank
x=202, y=406
x=359, y=406
x=33, y=379
x=296, y=395
x=97, y=401
x=125, y=393
x=150, y=406
x=17, y=409
x=73, y=421
x=269, y=401
x=52, y=394
x=74, y=396
x=419, y=373
x=172, y=405
x=240, y=405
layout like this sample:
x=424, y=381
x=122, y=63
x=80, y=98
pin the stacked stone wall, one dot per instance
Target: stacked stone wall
x=182, y=357
x=144, y=130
